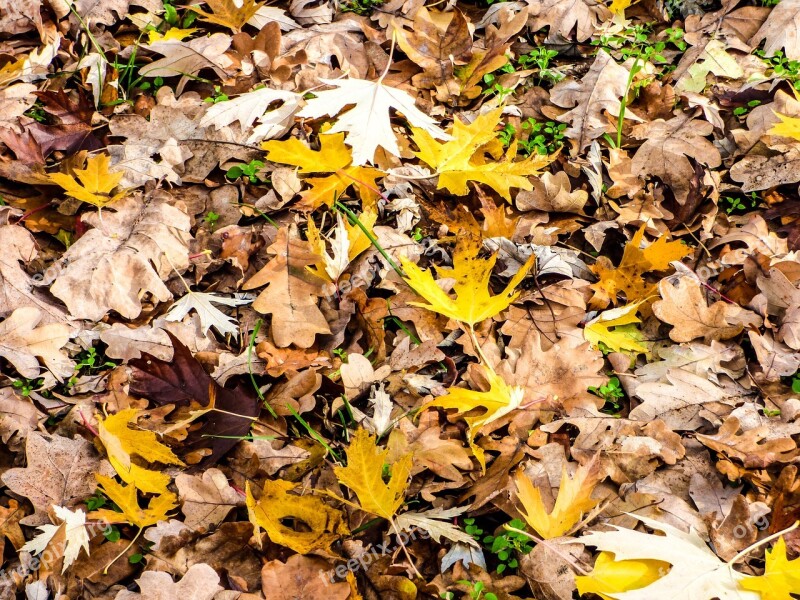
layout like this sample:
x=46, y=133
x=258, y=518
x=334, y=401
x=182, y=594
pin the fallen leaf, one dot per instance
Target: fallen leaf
x=473, y=302
x=599, y=91
x=210, y=316
x=573, y=502
x=59, y=472
x=183, y=381
x=364, y=476
x=23, y=343
x=206, y=499
x=616, y=330
x=321, y=524
x=367, y=124
x=122, y=442
x=781, y=576
x=292, y=292
x=200, y=582
x=75, y=534
x=611, y=576
x=500, y=400
x=228, y=13
x=696, y=572
x=684, y=307
x=462, y=158
x=124, y=496
x=667, y=148
x=127, y=253
x=627, y=277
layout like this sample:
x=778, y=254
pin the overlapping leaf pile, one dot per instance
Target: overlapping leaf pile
x=365, y=299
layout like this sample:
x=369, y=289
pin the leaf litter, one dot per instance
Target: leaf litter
x=373, y=299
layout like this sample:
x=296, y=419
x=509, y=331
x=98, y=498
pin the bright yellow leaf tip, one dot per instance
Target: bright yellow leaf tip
x=473, y=302
x=611, y=576
x=92, y=184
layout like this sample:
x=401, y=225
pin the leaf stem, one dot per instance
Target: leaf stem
x=766, y=540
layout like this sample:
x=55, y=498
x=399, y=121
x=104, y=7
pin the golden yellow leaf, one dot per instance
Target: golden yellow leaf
x=325, y=524
x=611, y=576
x=227, y=13
x=618, y=6
x=500, y=400
x=463, y=158
x=572, y=503
x=124, y=496
x=121, y=441
x=781, y=576
x=175, y=33
x=473, y=302
x=616, y=329
x=92, y=184
x=627, y=277
x=788, y=127
x=332, y=157
x=364, y=475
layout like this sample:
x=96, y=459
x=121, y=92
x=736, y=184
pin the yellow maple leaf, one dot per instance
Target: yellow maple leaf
x=121, y=441
x=788, y=127
x=473, y=302
x=624, y=337
x=500, y=400
x=228, y=13
x=781, y=576
x=124, y=496
x=611, y=576
x=627, y=277
x=324, y=524
x=92, y=184
x=463, y=158
x=574, y=500
x=364, y=475
x=332, y=157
